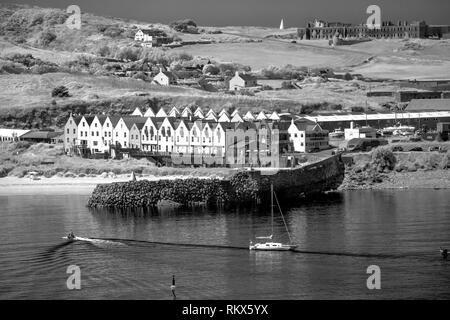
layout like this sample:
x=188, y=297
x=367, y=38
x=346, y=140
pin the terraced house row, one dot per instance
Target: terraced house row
x=247, y=139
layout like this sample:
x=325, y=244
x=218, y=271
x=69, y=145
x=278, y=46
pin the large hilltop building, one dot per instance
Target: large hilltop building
x=401, y=29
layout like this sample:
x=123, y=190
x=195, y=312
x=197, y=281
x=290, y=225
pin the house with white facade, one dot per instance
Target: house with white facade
x=182, y=138
x=359, y=132
x=70, y=133
x=84, y=133
x=261, y=116
x=165, y=78
x=166, y=135
x=143, y=35
x=150, y=137
x=241, y=81
x=307, y=136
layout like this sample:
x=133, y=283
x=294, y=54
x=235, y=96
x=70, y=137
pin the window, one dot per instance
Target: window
x=124, y=143
x=68, y=140
x=74, y=131
x=68, y=131
x=117, y=134
x=84, y=124
x=98, y=134
x=96, y=125
x=124, y=134
x=109, y=134
x=95, y=143
x=92, y=133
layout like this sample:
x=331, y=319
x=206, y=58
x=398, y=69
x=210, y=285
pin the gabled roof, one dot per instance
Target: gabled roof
x=139, y=125
x=305, y=125
x=102, y=118
x=174, y=112
x=137, y=112
x=149, y=113
x=249, y=116
x=89, y=119
x=223, y=111
x=245, y=76
x=161, y=113
x=236, y=111
x=131, y=120
x=114, y=120
x=237, y=118
x=261, y=116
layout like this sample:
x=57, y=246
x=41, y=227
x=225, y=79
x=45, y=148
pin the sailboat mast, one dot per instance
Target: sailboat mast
x=271, y=204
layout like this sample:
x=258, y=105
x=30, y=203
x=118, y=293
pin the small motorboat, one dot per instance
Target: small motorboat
x=70, y=237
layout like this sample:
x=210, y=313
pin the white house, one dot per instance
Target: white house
x=70, y=133
x=241, y=81
x=182, y=138
x=84, y=132
x=149, y=139
x=121, y=137
x=165, y=78
x=359, y=132
x=166, y=135
x=108, y=131
x=96, y=139
x=307, y=136
x=143, y=35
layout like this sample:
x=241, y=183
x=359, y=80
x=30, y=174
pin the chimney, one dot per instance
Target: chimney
x=237, y=73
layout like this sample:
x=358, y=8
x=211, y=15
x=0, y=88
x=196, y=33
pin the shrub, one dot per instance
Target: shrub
x=210, y=69
x=383, y=158
x=104, y=51
x=186, y=26
x=46, y=37
x=60, y=92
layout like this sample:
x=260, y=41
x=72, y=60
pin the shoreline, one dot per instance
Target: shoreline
x=434, y=179
x=68, y=185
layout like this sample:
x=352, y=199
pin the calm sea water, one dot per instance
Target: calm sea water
x=339, y=236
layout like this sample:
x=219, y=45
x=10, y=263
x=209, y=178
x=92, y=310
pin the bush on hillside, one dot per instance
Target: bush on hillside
x=383, y=158
x=60, y=91
x=186, y=26
x=46, y=37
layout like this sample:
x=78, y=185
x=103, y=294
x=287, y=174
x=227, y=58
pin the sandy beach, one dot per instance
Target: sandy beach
x=65, y=185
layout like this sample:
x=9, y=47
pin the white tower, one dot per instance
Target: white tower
x=282, y=25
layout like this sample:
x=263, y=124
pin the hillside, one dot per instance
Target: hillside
x=38, y=53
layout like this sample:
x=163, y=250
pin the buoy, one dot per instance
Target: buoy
x=444, y=253
x=172, y=287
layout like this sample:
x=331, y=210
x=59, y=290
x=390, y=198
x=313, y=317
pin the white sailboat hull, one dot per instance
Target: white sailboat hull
x=272, y=246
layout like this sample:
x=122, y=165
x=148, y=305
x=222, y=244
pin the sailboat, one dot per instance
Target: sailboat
x=273, y=246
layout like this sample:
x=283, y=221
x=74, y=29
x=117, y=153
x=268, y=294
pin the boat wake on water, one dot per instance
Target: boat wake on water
x=218, y=246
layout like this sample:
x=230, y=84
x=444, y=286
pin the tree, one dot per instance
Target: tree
x=210, y=69
x=104, y=51
x=61, y=92
x=46, y=37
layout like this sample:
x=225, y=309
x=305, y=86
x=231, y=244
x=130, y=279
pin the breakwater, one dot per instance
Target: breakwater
x=244, y=186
